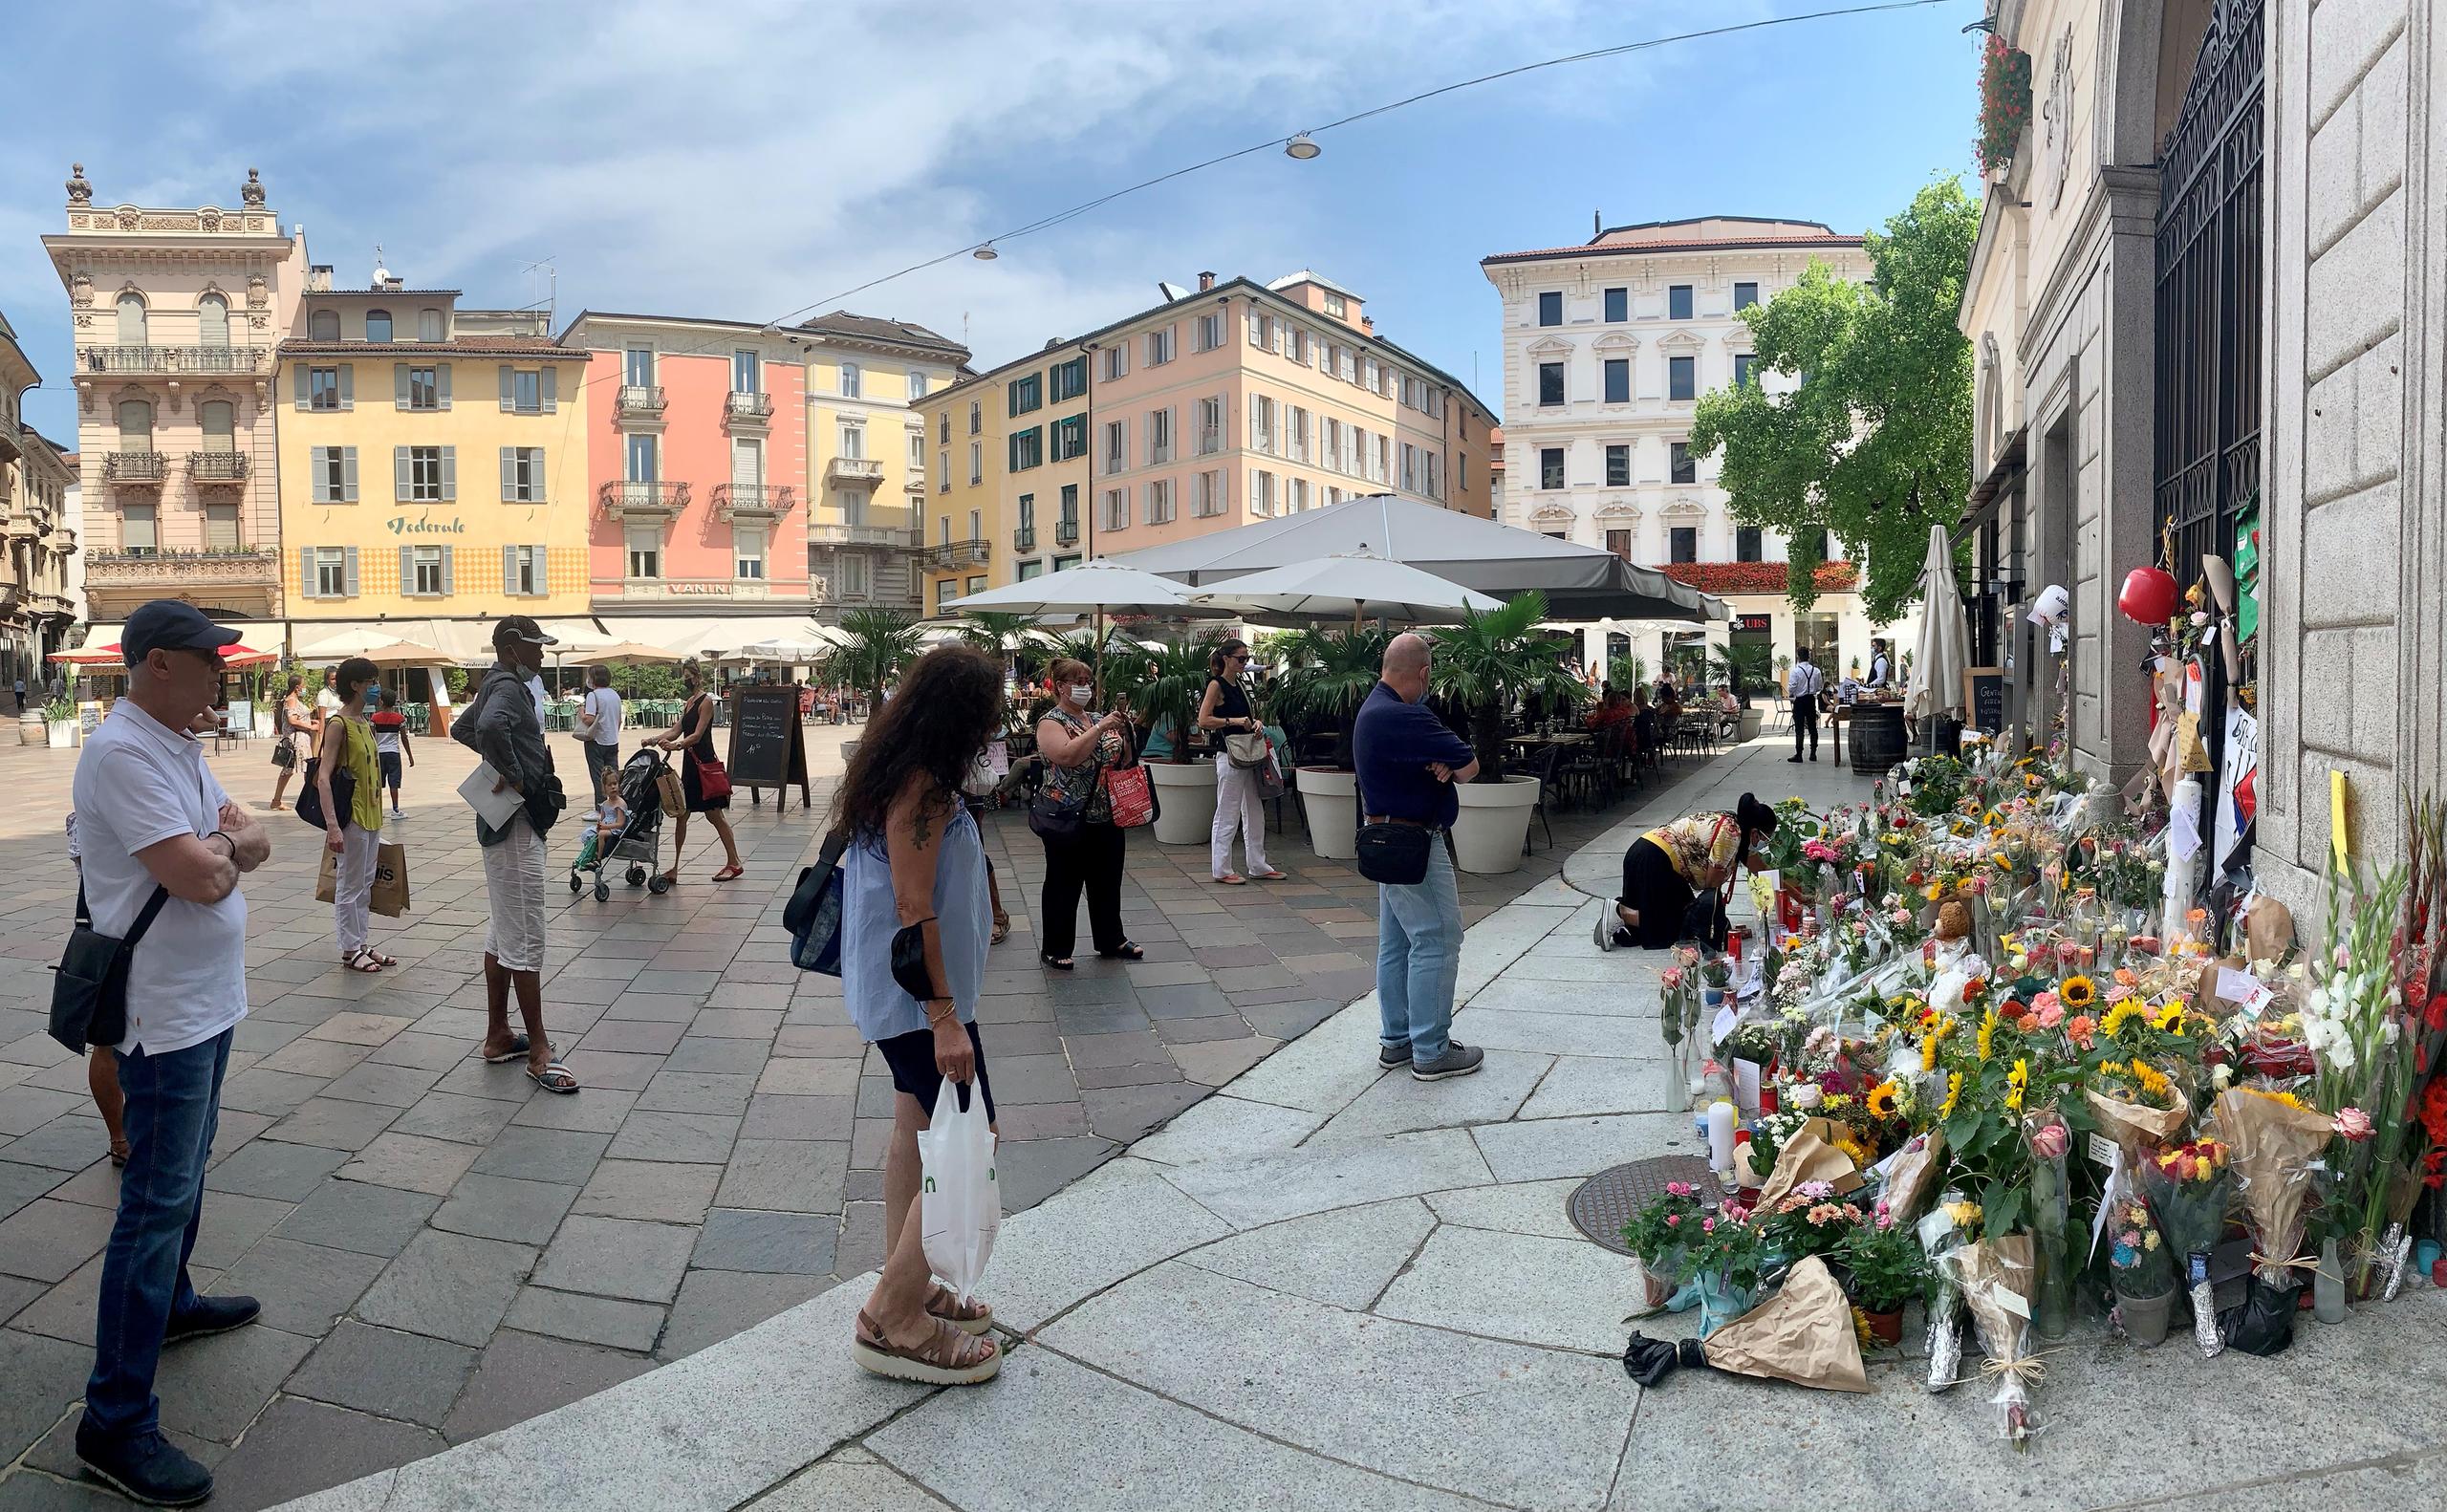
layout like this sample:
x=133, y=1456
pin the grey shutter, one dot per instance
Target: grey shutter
x=399, y=385
x=447, y=574
x=399, y=472
x=348, y=474
x=407, y=570
x=508, y=391
x=543, y=584
x=442, y=384
x=449, y=473
x=349, y=570
x=509, y=570
x=348, y=385
x=306, y=572
x=536, y=475
x=305, y=376
x=549, y=382
x=508, y=473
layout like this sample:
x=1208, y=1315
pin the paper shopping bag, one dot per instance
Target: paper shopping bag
x=326, y=880
x=390, y=880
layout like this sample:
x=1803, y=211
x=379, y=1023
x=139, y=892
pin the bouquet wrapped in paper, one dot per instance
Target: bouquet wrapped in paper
x=2190, y=1187
x=1995, y=1278
x=1912, y=1175
x=1802, y=1334
x=2276, y=1144
x=1943, y=1230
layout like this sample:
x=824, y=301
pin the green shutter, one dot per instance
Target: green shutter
x=348, y=571
x=508, y=391
x=550, y=383
x=509, y=570
x=348, y=474
x=509, y=474
x=449, y=574
x=306, y=572
x=348, y=385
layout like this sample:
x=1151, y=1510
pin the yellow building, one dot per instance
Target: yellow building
x=868, y=381
x=1007, y=473
x=431, y=479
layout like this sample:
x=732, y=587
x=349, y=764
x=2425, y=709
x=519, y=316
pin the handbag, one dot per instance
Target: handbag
x=1248, y=749
x=1132, y=794
x=813, y=914
x=713, y=780
x=909, y=961
x=89, y=994
x=1394, y=854
x=284, y=752
x=668, y=789
x=310, y=798
x=1056, y=815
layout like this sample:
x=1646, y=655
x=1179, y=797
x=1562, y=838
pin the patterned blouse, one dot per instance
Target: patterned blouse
x=1703, y=848
x=1060, y=782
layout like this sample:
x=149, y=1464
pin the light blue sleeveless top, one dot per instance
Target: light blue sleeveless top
x=869, y=918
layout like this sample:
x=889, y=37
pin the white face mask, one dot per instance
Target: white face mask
x=1081, y=693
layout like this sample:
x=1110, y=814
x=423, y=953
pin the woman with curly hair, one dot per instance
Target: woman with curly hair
x=914, y=877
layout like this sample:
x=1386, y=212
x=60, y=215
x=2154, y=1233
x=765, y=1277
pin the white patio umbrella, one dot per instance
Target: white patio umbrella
x=796, y=651
x=1096, y=588
x=1946, y=636
x=1360, y=584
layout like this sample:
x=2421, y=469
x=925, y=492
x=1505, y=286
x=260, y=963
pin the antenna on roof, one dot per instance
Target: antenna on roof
x=382, y=275
x=552, y=290
x=1597, y=224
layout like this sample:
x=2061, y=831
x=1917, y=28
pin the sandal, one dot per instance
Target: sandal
x=951, y=1357
x=1125, y=951
x=728, y=873
x=1233, y=879
x=1058, y=963
x=379, y=958
x=361, y=959
x=972, y=1316
x=1002, y=931
x=1272, y=877
x=517, y=1051
x=553, y=1078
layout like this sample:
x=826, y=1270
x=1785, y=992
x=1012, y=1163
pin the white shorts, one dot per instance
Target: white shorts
x=514, y=882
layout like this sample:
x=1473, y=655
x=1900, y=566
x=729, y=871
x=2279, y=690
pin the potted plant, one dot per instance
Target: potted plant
x=2141, y=1270
x=1485, y=664
x=1330, y=675
x=1743, y=668
x=30, y=720
x=876, y=645
x=59, y=724
x=1661, y=1235
x=1163, y=687
x=1886, y=1269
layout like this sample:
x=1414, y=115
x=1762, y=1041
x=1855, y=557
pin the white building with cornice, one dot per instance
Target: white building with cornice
x=1607, y=347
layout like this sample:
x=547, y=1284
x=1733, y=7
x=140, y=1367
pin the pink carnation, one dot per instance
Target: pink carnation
x=2051, y=1012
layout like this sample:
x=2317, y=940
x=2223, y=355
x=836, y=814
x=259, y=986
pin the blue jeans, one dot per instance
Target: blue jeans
x=1419, y=955
x=173, y=1107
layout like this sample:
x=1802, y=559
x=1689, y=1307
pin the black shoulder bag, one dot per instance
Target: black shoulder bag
x=89, y=994
x=813, y=914
x=1394, y=854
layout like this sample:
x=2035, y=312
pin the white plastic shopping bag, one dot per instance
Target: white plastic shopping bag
x=961, y=1205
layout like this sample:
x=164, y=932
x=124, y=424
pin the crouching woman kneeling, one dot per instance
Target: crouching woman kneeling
x=1670, y=873
x=915, y=865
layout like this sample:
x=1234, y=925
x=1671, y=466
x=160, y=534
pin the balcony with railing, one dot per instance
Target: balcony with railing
x=854, y=470
x=754, y=501
x=13, y=449
x=1066, y=532
x=219, y=566
x=959, y=554
x=216, y=469
x=140, y=470
x=144, y=360
x=1023, y=539
x=896, y=530
x=747, y=411
x=649, y=500
x=638, y=401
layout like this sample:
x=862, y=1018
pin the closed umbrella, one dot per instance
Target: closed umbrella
x=1359, y=584
x=1945, y=637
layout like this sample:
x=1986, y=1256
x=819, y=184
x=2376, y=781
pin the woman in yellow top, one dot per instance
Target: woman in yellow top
x=353, y=834
x=1674, y=868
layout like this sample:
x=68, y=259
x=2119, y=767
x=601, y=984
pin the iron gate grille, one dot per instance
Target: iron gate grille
x=2209, y=236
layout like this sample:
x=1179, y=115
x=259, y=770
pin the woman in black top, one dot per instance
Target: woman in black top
x=694, y=734
x=1223, y=712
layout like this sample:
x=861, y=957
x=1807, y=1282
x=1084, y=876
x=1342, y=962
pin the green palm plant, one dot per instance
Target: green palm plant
x=1627, y=671
x=1490, y=659
x=1742, y=668
x=1017, y=640
x=1162, y=686
x=876, y=645
x=1328, y=675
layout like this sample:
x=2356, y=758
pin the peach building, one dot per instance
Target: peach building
x=1238, y=401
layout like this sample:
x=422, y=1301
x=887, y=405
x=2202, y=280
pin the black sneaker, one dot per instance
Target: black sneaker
x=212, y=1315
x=1457, y=1060
x=1391, y=1058
x=146, y=1468
x=1793, y=761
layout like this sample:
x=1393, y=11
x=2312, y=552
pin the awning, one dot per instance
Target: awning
x=466, y=642
x=708, y=636
x=1981, y=505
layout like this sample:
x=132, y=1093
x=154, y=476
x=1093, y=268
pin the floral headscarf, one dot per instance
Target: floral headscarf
x=1703, y=848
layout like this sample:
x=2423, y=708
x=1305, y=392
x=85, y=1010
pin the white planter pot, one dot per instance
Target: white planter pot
x=61, y=736
x=1185, y=796
x=1753, y=719
x=1494, y=821
x=1331, y=799
x=30, y=729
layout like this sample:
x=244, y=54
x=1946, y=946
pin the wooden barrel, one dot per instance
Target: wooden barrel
x=1877, y=737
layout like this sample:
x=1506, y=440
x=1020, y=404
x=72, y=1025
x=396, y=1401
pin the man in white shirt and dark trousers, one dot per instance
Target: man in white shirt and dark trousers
x=1804, y=689
x=150, y=815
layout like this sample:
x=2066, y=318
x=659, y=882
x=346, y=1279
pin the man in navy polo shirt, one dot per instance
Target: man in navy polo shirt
x=1407, y=763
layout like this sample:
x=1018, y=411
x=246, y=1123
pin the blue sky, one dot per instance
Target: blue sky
x=741, y=157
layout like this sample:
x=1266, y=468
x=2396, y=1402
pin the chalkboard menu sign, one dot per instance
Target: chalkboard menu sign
x=768, y=743
x=1983, y=699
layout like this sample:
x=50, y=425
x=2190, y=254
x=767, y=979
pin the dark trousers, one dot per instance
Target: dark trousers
x=1805, y=723
x=173, y=1109
x=599, y=759
x=1652, y=886
x=1090, y=859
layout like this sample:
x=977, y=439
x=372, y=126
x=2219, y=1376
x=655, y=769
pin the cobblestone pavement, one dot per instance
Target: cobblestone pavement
x=1330, y=1288
x=442, y=1252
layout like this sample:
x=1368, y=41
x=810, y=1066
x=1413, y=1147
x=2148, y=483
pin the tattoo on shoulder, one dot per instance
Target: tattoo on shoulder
x=919, y=825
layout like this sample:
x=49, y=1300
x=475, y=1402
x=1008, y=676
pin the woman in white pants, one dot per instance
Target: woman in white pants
x=1224, y=711
x=354, y=833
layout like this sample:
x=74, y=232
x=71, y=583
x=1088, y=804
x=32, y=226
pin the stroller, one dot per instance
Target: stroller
x=636, y=842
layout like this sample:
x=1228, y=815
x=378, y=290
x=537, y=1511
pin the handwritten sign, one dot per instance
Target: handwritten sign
x=1983, y=699
x=764, y=725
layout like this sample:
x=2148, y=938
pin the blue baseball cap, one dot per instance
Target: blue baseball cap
x=170, y=624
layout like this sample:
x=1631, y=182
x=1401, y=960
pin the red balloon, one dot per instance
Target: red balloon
x=2149, y=595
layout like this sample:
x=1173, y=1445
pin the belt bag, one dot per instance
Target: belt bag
x=89, y=994
x=1249, y=750
x=1394, y=854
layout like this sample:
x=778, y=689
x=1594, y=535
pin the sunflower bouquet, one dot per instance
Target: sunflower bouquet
x=2190, y=1188
x=2277, y=1144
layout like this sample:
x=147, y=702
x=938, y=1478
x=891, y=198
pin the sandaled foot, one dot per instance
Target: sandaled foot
x=948, y=1356
x=1271, y=875
x=555, y=1077
x=514, y=1051
x=1233, y=879
x=1125, y=951
x=361, y=960
x=670, y=879
x=1002, y=930
x=969, y=1317
x=1058, y=963
x=728, y=873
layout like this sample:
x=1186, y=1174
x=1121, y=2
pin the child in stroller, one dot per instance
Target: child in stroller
x=628, y=827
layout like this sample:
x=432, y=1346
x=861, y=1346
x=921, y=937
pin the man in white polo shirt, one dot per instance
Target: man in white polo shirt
x=150, y=815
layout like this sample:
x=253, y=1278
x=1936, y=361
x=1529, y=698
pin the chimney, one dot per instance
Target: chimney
x=1205, y=282
x=1368, y=323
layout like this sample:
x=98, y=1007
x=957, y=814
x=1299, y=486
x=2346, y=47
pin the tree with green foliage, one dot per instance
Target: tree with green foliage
x=1875, y=445
x=1491, y=660
x=876, y=645
x=1328, y=674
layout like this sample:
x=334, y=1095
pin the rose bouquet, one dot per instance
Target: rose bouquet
x=1660, y=1235
x=2189, y=1188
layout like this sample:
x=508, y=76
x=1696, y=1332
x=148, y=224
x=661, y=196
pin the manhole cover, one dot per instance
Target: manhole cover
x=1600, y=1207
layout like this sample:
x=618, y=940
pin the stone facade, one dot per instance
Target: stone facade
x=38, y=528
